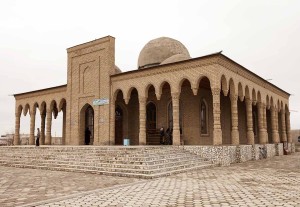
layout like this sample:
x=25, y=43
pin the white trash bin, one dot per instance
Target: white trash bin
x=126, y=142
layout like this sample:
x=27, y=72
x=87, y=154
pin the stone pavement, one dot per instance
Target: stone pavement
x=22, y=185
x=271, y=182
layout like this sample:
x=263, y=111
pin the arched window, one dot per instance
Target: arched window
x=203, y=117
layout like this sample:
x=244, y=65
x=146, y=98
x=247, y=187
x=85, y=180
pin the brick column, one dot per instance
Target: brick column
x=48, y=127
x=283, y=131
x=17, y=129
x=63, y=141
x=32, y=128
x=288, y=127
x=176, y=127
x=112, y=122
x=43, y=120
x=217, y=130
x=265, y=124
x=275, y=135
x=142, y=133
x=260, y=123
x=234, y=120
x=250, y=133
x=276, y=124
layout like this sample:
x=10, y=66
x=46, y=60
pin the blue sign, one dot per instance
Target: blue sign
x=101, y=101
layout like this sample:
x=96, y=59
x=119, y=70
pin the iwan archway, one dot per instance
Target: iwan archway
x=87, y=125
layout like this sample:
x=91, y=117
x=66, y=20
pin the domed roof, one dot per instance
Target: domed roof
x=175, y=58
x=158, y=50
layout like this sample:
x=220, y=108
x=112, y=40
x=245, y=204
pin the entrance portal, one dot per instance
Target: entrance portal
x=119, y=126
x=151, y=116
x=89, y=126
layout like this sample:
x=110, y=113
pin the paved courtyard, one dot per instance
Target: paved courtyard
x=271, y=182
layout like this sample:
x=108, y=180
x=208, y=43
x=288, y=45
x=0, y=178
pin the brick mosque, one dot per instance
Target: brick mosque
x=208, y=100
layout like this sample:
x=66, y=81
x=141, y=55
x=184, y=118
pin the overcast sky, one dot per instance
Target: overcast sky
x=263, y=36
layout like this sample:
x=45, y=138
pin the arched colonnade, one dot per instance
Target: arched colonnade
x=48, y=109
x=239, y=111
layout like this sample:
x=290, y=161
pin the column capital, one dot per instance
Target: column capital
x=158, y=95
x=175, y=95
x=215, y=91
x=248, y=100
x=233, y=97
x=33, y=112
x=195, y=91
x=225, y=92
x=126, y=100
x=142, y=99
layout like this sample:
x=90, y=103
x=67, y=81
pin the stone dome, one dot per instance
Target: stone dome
x=175, y=58
x=159, y=50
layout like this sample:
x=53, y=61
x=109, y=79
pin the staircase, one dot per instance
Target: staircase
x=134, y=161
x=153, y=137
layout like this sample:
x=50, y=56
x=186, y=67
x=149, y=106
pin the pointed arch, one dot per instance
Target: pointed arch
x=259, y=97
x=268, y=102
x=182, y=81
x=62, y=104
x=204, y=79
x=129, y=93
x=26, y=109
x=254, y=99
x=224, y=85
x=271, y=102
x=86, y=122
x=247, y=93
x=147, y=88
x=163, y=85
x=278, y=105
x=54, y=108
x=240, y=91
x=286, y=108
x=232, y=87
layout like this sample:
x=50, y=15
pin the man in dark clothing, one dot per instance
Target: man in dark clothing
x=162, y=135
x=87, y=136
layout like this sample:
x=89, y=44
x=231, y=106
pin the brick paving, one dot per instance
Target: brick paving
x=271, y=182
x=20, y=185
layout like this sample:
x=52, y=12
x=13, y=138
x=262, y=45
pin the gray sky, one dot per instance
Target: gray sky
x=263, y=36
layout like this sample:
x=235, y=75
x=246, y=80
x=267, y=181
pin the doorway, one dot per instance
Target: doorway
x=89, y=126
x=151, y=116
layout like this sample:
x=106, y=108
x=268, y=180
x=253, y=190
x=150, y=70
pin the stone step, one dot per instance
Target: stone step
x=38, y=150
x=91, y=148
x=135, y=175
x=140, y=165
x=105, y=169
x=131, y=157
x=143, y=162
x=111, y=160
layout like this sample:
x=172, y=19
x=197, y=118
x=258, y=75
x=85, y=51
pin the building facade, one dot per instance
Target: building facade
x=209, y=100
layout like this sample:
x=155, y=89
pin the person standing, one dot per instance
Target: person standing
x=162, y=135
x=37, y=141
